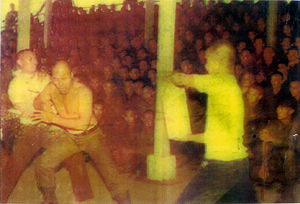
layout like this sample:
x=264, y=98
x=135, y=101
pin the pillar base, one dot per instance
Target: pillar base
x=161, y=168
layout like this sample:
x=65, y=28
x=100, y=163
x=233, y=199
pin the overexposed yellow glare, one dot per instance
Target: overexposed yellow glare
x=36, y=5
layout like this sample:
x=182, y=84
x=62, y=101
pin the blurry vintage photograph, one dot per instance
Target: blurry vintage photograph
x=150, y=101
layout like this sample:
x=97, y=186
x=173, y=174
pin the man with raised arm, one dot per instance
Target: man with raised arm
x=226, y=157
x=73, y=102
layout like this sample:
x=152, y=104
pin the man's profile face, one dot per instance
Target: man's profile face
x=62, y=78
x=295, y=89
x=27, y=62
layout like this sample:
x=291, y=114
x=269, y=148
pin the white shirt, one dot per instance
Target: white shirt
x=22, y=91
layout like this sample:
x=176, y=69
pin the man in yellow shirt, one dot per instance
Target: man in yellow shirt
x=226, y=156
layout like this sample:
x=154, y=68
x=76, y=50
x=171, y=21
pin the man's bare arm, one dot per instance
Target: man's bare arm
x=43, y=100
x=79, y=121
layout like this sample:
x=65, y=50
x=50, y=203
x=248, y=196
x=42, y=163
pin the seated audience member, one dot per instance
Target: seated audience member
x=247, y=80
x=254, y=107
x=269, y=64
x=259, y=50
x=274, y=93
x=278, y=159
x=293, y=64
x=247, y=61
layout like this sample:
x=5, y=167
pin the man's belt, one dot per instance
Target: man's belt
x=87, y=131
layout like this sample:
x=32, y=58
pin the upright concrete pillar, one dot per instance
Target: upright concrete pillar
x=23, y=25
x=161, y=165
x=272, y=23
x=149, y=21
x=48, y=8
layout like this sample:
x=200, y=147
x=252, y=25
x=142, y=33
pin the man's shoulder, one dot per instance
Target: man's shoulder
x=81, y=88
x=42, y=76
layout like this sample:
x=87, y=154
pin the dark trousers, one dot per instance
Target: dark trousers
x=220, y=182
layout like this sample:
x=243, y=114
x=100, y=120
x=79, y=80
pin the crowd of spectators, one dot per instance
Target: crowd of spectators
x=106, y=50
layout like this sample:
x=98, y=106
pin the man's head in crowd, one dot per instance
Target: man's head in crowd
x=186, y=67
x=295, y=89
x=285, y=43
x=241, y=45
x=124, y=73
x=258, y=44
x=109, y=88
x=143, y=65
x=116, y=63
x=254, y=95
x=226, y=35
x=201, y=57
x=261, y=25
x=199, y=44
x=282, y=67
x=287, y=31
x=293, y=55
x=107, y=72
x=134, y=74
x=26, y=61
x=152, y=76
x=260, y=77
x=62, y=77
x=127, y=61
x=246, y=58
x=285, y=110
x=148, y=93
x=138, y=88
x=277, y=80
x=148, y=118
x=252, y=35
x=130, y=116
x=153, y=64
x=152, y=46
x=208, y=38
x=179, y=45
x=220, y=58
x=142, y=54
x=269, y=54
x=136, y=43
x=248, y=79
x=189, y=36
x=128, y=88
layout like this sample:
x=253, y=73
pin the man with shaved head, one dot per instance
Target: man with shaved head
x=73, y=103
x=30, y=139
x=226, y=166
